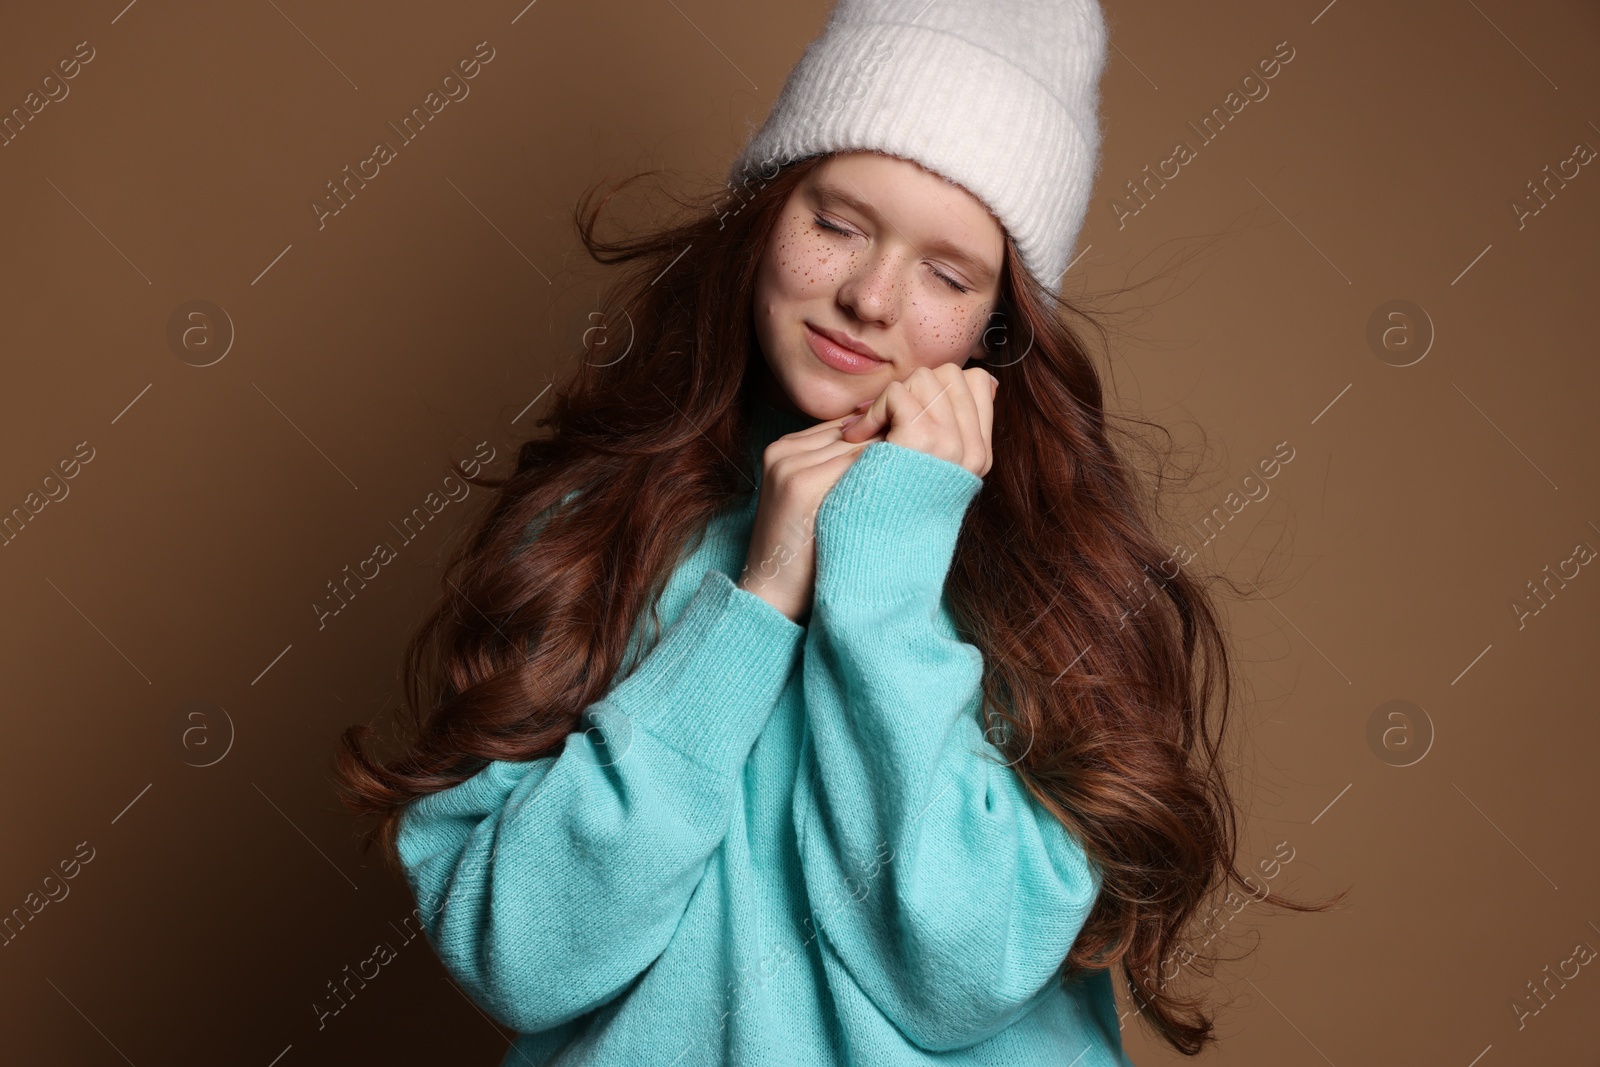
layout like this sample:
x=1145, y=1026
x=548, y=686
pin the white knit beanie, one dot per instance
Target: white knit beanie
x=999, y=96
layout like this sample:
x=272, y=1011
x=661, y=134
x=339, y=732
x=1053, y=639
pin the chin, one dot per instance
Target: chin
x=823, y=397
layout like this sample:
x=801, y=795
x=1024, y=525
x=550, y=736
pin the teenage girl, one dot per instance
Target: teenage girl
x=815, y=690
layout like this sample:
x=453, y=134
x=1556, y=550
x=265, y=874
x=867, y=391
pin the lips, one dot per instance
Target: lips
x=830, y=353
x=845, y=341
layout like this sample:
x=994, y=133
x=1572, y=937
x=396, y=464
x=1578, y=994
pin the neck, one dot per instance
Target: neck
x=769, y=392
x=772, y=412
x=768, y=422
x=773, y=396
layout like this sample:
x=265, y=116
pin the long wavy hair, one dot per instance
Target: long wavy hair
x=1107, y=680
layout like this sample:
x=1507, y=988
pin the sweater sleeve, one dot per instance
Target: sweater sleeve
x=548, y=886
x=950, y=896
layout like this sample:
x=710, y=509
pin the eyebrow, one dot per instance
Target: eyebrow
x=980, y=271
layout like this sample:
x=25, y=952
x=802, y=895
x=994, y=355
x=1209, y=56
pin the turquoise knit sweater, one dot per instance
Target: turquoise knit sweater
x=777, y=844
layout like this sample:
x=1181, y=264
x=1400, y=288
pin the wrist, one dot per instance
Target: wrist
x=790, y=605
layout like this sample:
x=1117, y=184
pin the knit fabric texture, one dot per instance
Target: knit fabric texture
x=776, y=844
x=999, y=96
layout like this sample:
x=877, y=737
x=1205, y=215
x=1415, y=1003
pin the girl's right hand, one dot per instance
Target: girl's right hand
x=798, y=469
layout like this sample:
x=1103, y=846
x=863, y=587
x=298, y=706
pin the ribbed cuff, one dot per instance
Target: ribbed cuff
x=886, y=532
x=709, y=685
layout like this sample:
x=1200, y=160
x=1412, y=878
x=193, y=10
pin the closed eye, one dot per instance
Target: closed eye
x=951, y=282
x=826, y=225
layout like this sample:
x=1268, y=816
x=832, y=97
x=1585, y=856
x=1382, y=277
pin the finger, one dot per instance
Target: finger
x=805, y=439
x=879, y=415
x=972, y=388
x=821, y=448
x=943, y=392
x=983, y=396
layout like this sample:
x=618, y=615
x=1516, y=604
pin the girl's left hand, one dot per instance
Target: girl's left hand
x=944, y=411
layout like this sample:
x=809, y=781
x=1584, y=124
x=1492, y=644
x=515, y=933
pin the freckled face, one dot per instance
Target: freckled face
x=873, y=252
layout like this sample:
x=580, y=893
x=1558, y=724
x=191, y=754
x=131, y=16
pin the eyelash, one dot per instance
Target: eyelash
x=951, y=282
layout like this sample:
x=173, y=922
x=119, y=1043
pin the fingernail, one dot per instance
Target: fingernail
x=864, y=403
x=845, y=424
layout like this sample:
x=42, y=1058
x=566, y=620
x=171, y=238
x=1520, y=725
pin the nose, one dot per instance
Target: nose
x=872, y=290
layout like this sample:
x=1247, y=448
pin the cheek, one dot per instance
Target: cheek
x=943, y=331
x=802, y=261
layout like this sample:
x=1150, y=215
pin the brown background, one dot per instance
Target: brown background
x=432, y=312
